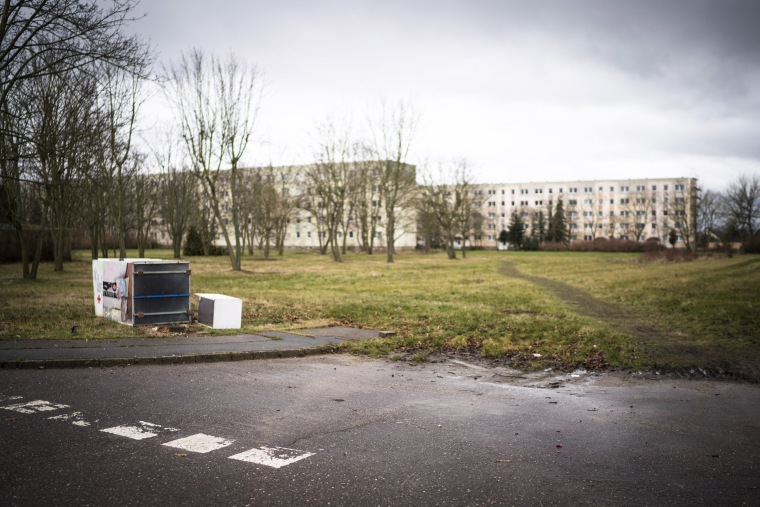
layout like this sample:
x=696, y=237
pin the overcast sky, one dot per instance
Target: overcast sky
x=538, y=90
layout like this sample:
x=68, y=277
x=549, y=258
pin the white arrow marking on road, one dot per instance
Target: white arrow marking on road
x=32, y=407
x=199, y=442
x=276, y=457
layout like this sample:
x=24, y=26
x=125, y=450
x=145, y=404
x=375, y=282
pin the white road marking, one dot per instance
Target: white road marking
x=75, y=418
x=276, y=457
x=157, y=427
x=199, y=442
x=140, y=431
x=133, y=432
x=32, y=407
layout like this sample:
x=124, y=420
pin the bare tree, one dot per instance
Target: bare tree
x=393, y=129
x=683, y=209
x=97, y=206
x=239, y=89
x=367, y=201
x=447, y=196
x=268, y=207
x=591, y=218
x=62, y=118
x=742, y=203
x=121, y=91
x=638, y=208
x=215, y=103
x=284, y=209
x=330, y=179
x=709, y=213
x=13, y=187
x=144, y=191
x=177, y=189
x=40, y=38
x=571, y=217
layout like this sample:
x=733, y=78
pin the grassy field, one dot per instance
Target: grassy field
x=703, y=313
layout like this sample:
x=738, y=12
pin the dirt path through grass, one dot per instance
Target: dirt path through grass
x=661, y=347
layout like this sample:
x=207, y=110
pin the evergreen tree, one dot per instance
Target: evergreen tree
x=503, y=237
x=516, y=230
x=559, y=232
x=540, y=229
x=193, y=243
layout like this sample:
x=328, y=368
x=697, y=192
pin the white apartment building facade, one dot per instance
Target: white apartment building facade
x=305, y=223
x=633, y=209
x=630, y=209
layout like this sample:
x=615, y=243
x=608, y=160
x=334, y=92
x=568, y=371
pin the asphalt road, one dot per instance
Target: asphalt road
x=341, y=430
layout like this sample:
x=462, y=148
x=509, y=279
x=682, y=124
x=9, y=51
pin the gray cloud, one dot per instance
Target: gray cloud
x=677, y=77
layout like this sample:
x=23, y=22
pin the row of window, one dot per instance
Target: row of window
x=574, y=190
x=573, y=202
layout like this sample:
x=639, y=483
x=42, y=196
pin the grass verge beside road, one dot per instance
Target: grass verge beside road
x=701, y=313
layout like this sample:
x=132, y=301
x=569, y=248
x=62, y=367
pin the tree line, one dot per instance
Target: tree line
x=72, y=83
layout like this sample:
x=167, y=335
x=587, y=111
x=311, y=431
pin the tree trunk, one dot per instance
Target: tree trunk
x=389, y=232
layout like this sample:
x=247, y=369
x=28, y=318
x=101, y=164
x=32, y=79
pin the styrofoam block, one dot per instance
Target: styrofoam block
x=219, y=311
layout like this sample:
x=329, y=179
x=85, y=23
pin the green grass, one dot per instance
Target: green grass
x=435, y=305
x=708, y=307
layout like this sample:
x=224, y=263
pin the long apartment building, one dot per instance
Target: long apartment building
x=635, y=209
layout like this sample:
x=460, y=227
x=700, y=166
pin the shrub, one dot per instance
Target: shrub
x=193, y=243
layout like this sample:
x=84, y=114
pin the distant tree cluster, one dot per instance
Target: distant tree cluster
x=732, y=216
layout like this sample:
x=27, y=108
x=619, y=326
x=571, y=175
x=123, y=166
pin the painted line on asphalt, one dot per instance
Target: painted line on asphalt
x=200, y=442
x=32, y=407
x=275, y=457
x=140, y=431
x=75, y=418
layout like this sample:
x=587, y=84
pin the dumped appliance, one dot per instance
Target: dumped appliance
x=142, y=292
